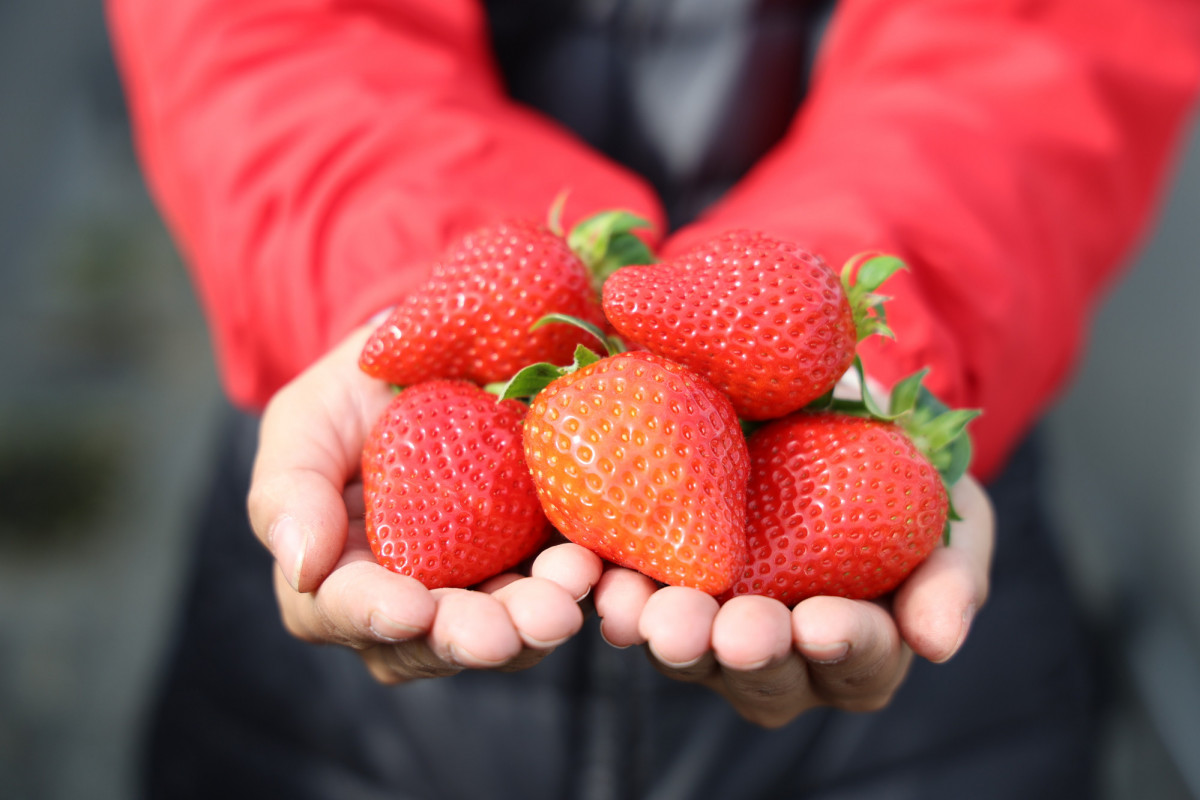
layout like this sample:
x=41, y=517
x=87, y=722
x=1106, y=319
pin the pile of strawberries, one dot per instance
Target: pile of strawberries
x=704, y=447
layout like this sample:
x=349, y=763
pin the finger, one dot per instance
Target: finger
x=359, y=605
x=576, y=569
x=498, y=582
x=310, y=442
x=406, y=661
x=472, y=629
x=751, y=632
x=677, y=625
x=354, y=500
x=770, y=696
x=856, y=657
x=542, y=612
x=620, y=596
x=762, y=676
x=300, y=516
x=935, y=606
x=529, y=657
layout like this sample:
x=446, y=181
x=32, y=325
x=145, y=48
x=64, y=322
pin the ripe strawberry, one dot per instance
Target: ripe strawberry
x=846, y=505
x=767, y=322
x=472, y=319
x=643, y=462
x=449, y=499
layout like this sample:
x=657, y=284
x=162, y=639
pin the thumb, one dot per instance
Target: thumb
x=299, y=515
x=309, y=447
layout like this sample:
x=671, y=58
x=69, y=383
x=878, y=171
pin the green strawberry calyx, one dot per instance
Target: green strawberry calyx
x=862, y=276
x=535, y=377
x=604, y=242
x=938, y=431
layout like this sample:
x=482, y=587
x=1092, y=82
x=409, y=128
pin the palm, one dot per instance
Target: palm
x=329, y=586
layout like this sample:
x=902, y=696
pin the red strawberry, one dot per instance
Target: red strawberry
x=769, y=323
x=449, y=499
x=845, y=505
x=472, y=319
x=643, y=462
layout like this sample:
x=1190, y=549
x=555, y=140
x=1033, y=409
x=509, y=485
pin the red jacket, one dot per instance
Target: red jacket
x=313, y=156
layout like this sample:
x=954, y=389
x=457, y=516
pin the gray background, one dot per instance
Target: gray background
x=107, y=404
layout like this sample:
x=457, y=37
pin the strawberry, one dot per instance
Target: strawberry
x=848, y=505
x=643, y=462
x=449, y=499
x=769, y=323
x=472, y=319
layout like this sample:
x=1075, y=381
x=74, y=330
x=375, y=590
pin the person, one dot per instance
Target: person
x=313, y=158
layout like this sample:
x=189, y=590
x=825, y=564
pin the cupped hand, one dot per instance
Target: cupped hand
x=772, y=663
x=306, y=506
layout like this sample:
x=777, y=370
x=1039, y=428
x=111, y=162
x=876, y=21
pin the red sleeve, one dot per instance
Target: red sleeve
x=1011, y=152
x=312, y=156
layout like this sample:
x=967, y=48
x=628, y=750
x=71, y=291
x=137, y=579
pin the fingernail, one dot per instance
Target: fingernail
x=459, y=656
x=825, y=653
x=675, y=664
x=538, y=644
x=388, y=629
x=754, y=665
x=288, y=543
x=965, y=628
x=453, y=656
x=610, y=642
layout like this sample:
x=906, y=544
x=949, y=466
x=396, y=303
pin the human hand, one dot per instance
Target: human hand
x=306, y=506
x=772, y=664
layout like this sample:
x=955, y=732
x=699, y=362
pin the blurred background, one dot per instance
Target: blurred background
x=108, y=399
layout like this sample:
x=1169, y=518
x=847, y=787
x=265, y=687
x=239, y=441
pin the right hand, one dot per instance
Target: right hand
x=772, y=663
x=306, y=506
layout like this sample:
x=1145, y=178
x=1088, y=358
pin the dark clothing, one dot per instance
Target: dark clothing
x=689, y=94
x=247, y=711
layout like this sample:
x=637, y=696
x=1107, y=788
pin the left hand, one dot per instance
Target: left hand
x=772, y=663
x=306, y=506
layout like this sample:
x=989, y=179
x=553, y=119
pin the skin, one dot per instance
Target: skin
x=770, y=663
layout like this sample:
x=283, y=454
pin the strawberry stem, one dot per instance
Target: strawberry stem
x=862, y=275
x=554, y=219
x=606, y=242
x=937, y=431
x=940, y=433
x=612, y=344
x=532, y=379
